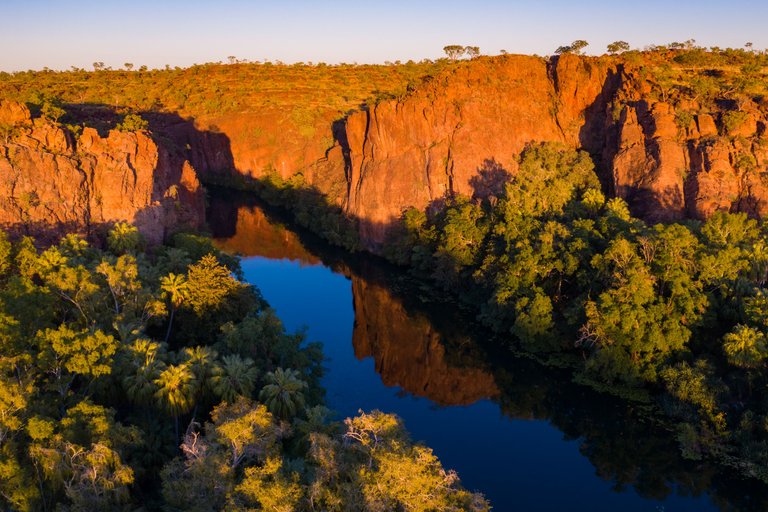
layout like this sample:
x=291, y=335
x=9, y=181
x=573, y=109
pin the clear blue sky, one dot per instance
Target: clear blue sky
x=63, y=33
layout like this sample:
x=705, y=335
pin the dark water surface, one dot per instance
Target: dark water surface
x=524, y=435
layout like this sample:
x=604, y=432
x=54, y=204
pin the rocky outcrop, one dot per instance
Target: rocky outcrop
x=52, y=182
x=244, y=146
x=462, y=132
x=650, y=164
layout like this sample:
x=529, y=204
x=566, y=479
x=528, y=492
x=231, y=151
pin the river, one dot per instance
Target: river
x=522, y=434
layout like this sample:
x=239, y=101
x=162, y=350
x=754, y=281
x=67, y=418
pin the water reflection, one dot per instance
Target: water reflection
x=430, y=350
x=408, y=351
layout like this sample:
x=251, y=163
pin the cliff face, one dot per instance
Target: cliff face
x=463, y=131
x=451, y=135
x=252, y=145
x=51, y=183
x=460, y=132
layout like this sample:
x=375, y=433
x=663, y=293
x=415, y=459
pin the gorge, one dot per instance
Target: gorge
x=576, y=241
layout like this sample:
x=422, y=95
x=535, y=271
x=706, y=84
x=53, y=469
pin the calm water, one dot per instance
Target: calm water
x=523, y=435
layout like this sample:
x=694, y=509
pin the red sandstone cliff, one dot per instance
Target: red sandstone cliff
x=411, y=152
x=51, y=182
x=478, y=116
x=669, y=156
x=435, y=141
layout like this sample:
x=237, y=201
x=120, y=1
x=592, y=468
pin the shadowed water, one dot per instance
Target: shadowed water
x=522, y=434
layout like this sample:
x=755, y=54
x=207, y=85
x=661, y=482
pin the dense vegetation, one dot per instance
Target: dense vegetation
x=300, y=88
x=672, y=313
x=158, y=379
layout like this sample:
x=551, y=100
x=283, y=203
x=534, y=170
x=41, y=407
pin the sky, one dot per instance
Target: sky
x=62, y=33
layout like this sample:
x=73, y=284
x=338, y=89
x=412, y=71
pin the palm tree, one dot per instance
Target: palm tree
x=174, y=260
x=745, y=347
x=123, y=238
x=176, y=387
x=283, y=396
x=202, y=362
x=143, y=351
x=237, y=376
x=127, y=331
x=141, y=385
x=176, y=289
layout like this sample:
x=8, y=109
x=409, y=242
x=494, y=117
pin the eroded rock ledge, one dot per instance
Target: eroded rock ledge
x=52, y=182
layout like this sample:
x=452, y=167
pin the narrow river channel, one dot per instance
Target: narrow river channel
x=524, y=435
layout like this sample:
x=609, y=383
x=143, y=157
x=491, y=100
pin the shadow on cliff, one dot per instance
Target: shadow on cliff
x=99, y=177
x=489, y=181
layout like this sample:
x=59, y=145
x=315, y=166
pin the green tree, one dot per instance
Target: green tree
x=248, y=431
x=66, y=353
x=122, y=280
x=52, y=108
x=745, y=347
x=141, y=385
x=270, y=487
x=283, y=394
x=132, y=123
x=176, y=290
x=454, y=51
x=94, y=478
x=235, y=377
x=210, y=284
x=575, y=47
x=618, y=47
x=124, y=238
x=6, y=254
x=472, y=51
x=176, y=390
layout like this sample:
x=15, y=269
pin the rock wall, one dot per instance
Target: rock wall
x=460, y=132
x=470, y=123
x=443, y=138
x=475, y=120
x=52, y=182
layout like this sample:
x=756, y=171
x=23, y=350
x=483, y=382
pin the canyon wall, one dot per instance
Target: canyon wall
x=464, y=129
x=52, y=182
x=670, y=156
x=451, y=135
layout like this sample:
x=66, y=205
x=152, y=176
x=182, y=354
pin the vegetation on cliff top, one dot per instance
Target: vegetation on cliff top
x=219, y=89
x=301, y=93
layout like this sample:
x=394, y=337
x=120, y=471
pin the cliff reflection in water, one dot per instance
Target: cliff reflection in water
x=244, y=229
x=407, y=349
x=409, y=352
x=430, y=351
